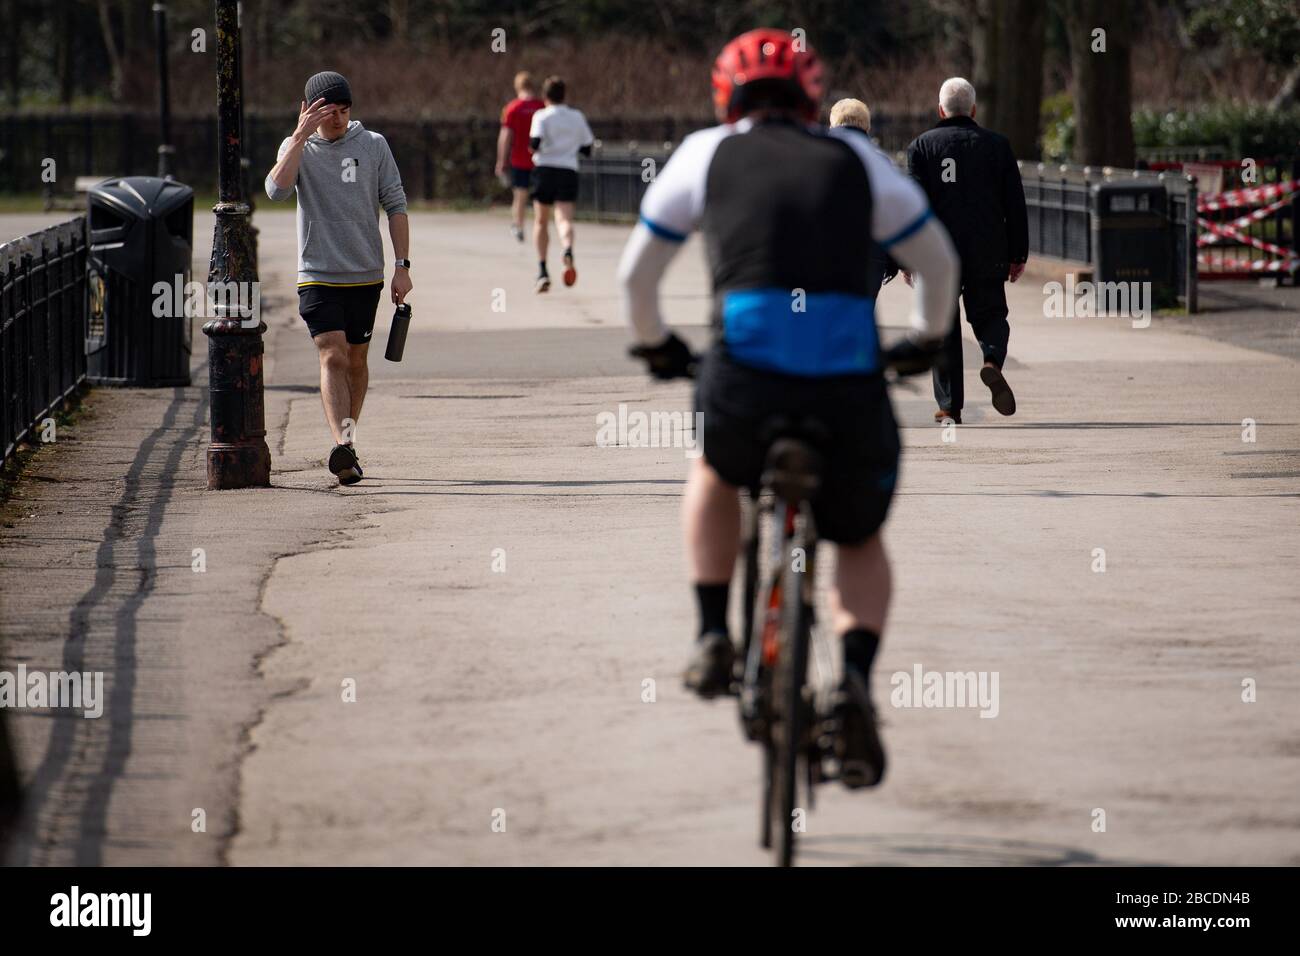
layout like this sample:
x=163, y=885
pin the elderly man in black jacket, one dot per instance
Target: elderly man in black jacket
x=974, y=186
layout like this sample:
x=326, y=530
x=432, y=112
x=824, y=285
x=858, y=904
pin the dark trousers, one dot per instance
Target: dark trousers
x=986, y=311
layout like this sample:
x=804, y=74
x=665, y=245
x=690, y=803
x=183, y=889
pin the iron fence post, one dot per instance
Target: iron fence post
x=165, y=148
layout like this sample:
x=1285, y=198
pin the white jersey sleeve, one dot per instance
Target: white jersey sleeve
x=898, y=205
x=902, y=223
x=674, y=204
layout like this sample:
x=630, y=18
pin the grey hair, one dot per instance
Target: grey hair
x=957, y=97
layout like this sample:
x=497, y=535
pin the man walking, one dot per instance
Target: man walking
x=512, y=147
x=558, y=135
x=342, y=174
x=970, y=175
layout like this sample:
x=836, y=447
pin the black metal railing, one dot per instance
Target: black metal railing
x=1059, y=200
x=614, y=178
x=43, y=297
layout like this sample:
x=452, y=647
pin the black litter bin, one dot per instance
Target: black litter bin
x=1130, y=232
x=141, y=235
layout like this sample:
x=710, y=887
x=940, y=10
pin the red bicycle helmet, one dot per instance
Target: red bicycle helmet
x=765, y=54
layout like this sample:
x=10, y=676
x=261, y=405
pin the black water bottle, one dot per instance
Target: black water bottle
x=397, y=333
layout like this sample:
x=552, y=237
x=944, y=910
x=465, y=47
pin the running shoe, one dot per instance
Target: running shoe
x=543, y=284
x=516, y=232
x=343, y=465
x=570, y=273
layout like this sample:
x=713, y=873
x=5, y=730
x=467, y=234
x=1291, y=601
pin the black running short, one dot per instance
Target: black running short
x=520, y=178
x=861, y=450
x=552, y=184
x=340, y=308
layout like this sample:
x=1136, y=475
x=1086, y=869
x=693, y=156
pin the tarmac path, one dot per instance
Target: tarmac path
x=500, y=588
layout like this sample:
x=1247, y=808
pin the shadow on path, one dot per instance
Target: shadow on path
x=74, y=740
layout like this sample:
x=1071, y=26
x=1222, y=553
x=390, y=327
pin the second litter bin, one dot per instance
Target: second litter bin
x=141, y=234
x=1130, y=232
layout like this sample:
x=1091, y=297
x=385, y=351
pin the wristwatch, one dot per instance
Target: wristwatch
x=403, y=263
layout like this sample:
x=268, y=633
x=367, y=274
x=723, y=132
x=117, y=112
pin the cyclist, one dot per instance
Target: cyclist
x=789, y=212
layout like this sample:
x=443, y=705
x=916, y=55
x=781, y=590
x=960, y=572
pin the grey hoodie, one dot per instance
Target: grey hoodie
x=341, y=185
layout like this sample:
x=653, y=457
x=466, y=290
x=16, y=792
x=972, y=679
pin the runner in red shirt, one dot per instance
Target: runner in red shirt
x=516, y=120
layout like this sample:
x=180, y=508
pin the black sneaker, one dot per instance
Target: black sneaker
x=709, y=670
x=343, y=465
x=858, y=749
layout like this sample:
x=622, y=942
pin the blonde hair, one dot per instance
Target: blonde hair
x=524, y=82
x=851, y=112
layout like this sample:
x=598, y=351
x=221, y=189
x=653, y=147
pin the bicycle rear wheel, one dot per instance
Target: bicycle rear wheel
x=788, y=695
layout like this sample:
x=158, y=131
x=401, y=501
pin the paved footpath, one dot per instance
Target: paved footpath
x=499, y=589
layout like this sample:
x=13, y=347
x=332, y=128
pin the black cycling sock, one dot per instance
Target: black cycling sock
x=712, y=599
x=860, y=649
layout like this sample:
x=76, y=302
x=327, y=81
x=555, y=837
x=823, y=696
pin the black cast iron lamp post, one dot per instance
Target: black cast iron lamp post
x=237, y=453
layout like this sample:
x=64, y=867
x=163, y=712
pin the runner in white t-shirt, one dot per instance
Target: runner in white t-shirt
x=559, y=134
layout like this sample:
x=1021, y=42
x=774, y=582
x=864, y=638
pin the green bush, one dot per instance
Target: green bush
x=1057, y=124
x=1252, y=130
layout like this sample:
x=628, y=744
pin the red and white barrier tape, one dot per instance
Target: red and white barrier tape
x=1245, y=197
x=1221, y=264
x=1227, y=231
x=1217, y=229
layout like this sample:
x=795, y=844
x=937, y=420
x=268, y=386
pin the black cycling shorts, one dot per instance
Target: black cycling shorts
x=552, y=184
x=861, y=451
x=340, y=308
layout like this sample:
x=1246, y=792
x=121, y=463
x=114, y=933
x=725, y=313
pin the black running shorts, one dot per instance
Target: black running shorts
x=552, y=184
x=520, y=178
x=861, y=451
x=340, y=308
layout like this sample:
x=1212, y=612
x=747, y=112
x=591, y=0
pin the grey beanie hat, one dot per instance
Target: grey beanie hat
x=332, y=86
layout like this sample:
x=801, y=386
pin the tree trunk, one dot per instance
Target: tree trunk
x=110, y=46
x=399, y=16
x=67, y=54
x=1103, y=81
x=1007, y=42
x=13, y=51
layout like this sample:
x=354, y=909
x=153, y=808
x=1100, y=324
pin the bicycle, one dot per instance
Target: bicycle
x=794, y=723
x=778, y=710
